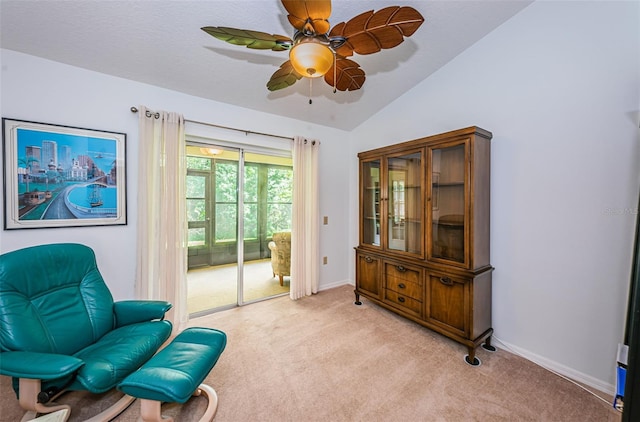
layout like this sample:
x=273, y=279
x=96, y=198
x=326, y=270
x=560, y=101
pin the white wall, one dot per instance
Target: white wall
x=44, y=91
x=558, y=85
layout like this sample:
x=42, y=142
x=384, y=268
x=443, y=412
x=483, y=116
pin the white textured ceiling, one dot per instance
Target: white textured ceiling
x=159, y=42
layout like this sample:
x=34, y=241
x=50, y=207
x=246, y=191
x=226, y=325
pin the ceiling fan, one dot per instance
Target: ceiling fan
x=318, y=50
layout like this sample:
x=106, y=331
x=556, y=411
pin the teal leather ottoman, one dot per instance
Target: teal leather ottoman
x=176, y=373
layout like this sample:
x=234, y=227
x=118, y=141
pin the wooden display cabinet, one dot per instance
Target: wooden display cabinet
x=424, y=233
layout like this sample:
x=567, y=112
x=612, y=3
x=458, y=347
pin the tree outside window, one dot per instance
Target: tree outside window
x=268, y=194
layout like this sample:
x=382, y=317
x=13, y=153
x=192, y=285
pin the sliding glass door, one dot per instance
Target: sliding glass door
x=233, y=194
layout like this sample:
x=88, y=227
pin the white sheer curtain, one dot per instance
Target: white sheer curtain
x=305, y=228
x=162, y=250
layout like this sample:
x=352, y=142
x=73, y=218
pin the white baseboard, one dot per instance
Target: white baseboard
x=556, y=367
x=562, y=370
x=334, y=284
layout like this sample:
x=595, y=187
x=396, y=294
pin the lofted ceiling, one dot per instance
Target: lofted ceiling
x=159, y=42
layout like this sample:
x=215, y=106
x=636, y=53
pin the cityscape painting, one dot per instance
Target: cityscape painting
x=60, y=176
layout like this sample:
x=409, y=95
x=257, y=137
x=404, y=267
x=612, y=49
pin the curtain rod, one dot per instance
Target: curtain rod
x=246, y=132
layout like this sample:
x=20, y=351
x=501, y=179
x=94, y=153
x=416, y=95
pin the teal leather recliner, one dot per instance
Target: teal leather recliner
x=60, y=328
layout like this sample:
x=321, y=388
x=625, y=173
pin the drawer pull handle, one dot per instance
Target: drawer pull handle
x=401, y=268
x=400, y=299
x=446, y=281
x=368, y=259
x=401, y=285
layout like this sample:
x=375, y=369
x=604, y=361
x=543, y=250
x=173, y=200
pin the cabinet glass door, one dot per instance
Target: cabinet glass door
x=370, y=203
x=404, y=198
x=448, y=219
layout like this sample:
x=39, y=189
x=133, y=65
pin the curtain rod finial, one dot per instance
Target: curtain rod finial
x=134, y=110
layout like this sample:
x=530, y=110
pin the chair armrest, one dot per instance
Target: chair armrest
x=133, y=311
x=34, y=365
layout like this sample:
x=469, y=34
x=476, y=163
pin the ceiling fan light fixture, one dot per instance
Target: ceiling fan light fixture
x=316, y=47
x=311, y=57
x=211, y=151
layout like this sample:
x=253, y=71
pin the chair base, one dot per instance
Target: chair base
x=150, y=410
x=29, y=389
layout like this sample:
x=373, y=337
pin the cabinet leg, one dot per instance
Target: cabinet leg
x=357, y=302
x=471, y=358
x=487, y=345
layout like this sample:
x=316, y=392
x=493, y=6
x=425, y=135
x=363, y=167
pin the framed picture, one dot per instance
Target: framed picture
x=61, y=176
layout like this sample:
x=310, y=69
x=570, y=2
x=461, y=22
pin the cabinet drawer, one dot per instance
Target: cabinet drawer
x=403, y=272
x=405, y=288
x=404, y=280
x=403, y=302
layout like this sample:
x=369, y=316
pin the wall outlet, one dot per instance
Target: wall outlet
x=325, y=220
x=324, y=260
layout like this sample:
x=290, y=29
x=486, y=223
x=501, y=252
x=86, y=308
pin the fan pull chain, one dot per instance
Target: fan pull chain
x=310, y=86
x=335, y=71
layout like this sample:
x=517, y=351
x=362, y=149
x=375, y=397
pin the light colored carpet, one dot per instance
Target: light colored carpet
x=322, y=358
x=212, y=287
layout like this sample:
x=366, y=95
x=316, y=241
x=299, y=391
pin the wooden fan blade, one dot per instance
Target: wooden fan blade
x=371, y=32
x=349, y=76
x=251, y=39
x=317, y=12
x=284, y=77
